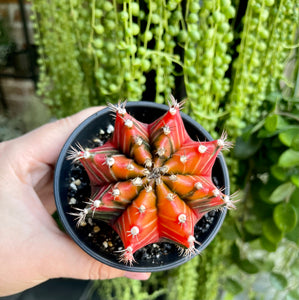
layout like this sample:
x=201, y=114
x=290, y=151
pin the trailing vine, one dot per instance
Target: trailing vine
x=268, y=28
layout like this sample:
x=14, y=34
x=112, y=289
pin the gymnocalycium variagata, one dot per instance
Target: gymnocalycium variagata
x=151, y=182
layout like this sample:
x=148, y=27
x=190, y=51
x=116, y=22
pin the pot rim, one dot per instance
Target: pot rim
x=73, y=234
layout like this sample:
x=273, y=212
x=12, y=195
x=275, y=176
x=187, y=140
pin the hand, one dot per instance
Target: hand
x=33, y=249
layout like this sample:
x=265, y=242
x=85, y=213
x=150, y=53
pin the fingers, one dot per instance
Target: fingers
x=75, y=263
x=44, y=191
x=138, y=276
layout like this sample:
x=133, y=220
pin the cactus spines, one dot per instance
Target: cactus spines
x=151, y=182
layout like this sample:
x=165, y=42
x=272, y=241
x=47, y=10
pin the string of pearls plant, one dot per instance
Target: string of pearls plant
x=127, y=49
x=269, y=29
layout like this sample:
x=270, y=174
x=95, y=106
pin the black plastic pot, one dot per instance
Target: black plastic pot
x=146, y=112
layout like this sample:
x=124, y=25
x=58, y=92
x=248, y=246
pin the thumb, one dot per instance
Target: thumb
x=51, y=137
x=73, y=262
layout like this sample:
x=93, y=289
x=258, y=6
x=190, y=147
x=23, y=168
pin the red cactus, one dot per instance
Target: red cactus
x=152, y=181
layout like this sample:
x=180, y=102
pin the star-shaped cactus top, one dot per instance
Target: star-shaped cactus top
x=152, y=181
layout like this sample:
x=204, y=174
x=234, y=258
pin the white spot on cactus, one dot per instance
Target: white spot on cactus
x=220, y=143
x=166, y=130
x=127, y=255
x=183, y=159
x=182, y=218
x=229, y=203
x=216, y=192
x=191, y=250
x=161, y=151
x=198, y=185
x=76, y=154
x=134, y=231
x=191, y=240
x=137, y=181
x=164, y=169
x=202, y=149
x=146, y=172
x=97, y=203
x=138, y=141
x=141, y=209
x=148, y=188
x=119, y=108
x=172, y=110
x=223, y=143
x=173, y=177
x=129, y=249
x=122, y=111
x=115, y=192
x=170, y=196
x=158, y=181
x=86, y=154
x=148, y=163
x=130, y=167
x=173, y=103
x=80, y=215
x=110, y=161
x=129, y=123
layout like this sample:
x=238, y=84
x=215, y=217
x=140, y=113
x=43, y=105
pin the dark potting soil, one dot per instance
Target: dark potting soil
x=101, y=237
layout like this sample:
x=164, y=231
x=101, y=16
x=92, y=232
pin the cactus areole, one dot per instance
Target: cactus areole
x=151, y=181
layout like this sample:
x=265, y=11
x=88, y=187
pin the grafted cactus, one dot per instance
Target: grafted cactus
x=151, y=182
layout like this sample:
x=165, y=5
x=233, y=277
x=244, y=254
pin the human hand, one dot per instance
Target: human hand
x=33, y=249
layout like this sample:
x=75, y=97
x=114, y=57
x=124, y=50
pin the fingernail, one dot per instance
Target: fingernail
x=139, y=276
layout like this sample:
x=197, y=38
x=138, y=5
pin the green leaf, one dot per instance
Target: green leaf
x=266, y=265
x=278, y=281
x=233, y=286
x=229, y=232
x=293, y=295
x=294, y=199
x=267, y=245
x=274, y=97
x=282, y=192
x=295, y=143
x=295, y=179
x=287, y=136
x=274, y=122
x=245, y=149
x=294, y=235
x=271, y=232
x=247, y=266
x=253, y=226
x=279, y=172
x=235, y=252
x=289, y=158
x=263, y=133
x=285, y=217
x=265, y=192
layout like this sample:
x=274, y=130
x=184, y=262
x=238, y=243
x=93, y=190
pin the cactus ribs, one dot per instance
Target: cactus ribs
x=151, y=182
